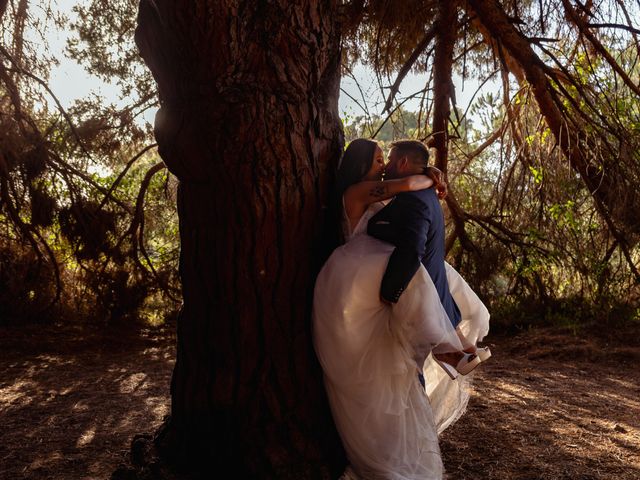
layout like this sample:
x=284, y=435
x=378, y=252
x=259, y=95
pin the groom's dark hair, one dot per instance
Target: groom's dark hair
x=416, y=151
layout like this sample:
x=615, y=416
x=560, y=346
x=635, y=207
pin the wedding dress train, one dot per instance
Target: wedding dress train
x=371, y=352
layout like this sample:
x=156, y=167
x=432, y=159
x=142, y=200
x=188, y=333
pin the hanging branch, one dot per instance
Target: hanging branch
x=28, y=231
x=496, y=21
x=473, y=97
x=356, y=101
x=629, y=22
x=136, y=231
x=583, y=27
x=44, y=84
x=490, y=140
x=364, y=106
x=124, y=171
x=12, y=88
x=408, y=65
x=561, y=75
x=628, y=28
x=396, y=108
x=492, y=227
x=66, y=167
x=421, y=111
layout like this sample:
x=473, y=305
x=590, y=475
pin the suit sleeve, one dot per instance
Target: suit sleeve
x=405, y=224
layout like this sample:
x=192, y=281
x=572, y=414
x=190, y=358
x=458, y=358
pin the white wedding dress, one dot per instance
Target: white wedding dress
x=371, y=353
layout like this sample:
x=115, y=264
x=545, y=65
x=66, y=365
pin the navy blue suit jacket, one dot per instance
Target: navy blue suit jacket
x=414, y=223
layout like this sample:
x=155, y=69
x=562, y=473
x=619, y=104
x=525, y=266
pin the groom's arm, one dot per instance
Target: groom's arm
x=403, y=223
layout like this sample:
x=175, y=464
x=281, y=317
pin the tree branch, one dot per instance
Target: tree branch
x=404, y=70
x=44, y=84
x=583, y=27
x=628, y=28
x=124, y=171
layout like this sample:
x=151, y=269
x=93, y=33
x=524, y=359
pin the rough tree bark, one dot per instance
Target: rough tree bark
x=442, y=83
x=249, y=125
x=3, y=7
x=446, y=37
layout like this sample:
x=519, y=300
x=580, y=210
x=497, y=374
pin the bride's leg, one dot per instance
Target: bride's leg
x=421, y=322
x=467, y=346
x=474, y=324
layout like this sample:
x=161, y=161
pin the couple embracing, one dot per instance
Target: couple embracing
x=395, y=326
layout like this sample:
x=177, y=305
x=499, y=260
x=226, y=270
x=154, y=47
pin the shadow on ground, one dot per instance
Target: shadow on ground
x=548, y=405
x=70, y=401
x=551, y=405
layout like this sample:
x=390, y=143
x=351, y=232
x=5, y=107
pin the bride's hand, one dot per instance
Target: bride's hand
x=437, y=176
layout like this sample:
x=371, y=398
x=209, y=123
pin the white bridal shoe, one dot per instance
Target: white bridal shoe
x=483, y=353
x=465, y=365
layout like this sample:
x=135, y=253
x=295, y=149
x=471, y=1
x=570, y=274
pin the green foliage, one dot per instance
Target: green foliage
x=536, y=244
x=71, y=241
x=105, y=45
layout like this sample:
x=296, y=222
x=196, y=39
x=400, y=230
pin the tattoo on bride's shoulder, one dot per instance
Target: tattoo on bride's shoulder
x=378, y=191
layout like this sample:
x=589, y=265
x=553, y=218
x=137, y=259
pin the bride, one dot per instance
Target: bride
x=372, y=353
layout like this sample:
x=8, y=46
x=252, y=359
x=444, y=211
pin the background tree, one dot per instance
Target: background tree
x=555, y=111
x=73, y=183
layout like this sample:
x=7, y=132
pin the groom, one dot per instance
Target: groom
x=414, y=223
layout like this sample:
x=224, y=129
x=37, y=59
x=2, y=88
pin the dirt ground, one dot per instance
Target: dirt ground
x=71, y=400
x=552, y=405
x=549, y=405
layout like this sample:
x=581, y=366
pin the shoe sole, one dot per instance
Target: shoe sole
x=484, y=354
x=469, y=367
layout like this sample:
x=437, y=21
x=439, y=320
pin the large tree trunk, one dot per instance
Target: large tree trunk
x=249, y=124
x=3, y=7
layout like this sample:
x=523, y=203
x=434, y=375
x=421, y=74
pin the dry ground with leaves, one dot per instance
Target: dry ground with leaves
x=549, y=405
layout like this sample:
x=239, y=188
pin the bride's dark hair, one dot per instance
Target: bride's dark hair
x=355, y=164
x=356, y=161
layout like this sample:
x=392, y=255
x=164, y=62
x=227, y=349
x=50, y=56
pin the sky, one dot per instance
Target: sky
x=412, y=83
x=70, y=81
